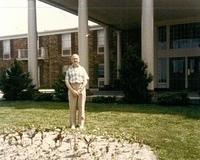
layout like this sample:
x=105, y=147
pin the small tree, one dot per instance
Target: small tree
x=134, y=77
x=61, y=91
x=16, y=84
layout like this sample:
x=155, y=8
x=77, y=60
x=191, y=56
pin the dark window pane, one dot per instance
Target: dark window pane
x=185, y=36
x=162, y=37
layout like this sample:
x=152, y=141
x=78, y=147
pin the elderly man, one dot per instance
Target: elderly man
x=76, y=80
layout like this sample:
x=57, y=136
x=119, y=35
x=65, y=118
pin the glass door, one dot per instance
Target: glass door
x=194, y=73
x=177, y=73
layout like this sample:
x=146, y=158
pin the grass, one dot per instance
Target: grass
x=173, y=132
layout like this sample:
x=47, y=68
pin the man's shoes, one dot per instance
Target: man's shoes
x=73, y=127
x=81, y=127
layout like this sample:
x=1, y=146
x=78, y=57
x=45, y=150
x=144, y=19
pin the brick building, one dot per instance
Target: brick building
x=54, y=51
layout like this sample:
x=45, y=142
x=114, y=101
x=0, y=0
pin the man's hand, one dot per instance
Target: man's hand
x=80, y=90
x=74, y=92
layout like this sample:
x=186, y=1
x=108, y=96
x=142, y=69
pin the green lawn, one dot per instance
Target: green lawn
x=173, y=132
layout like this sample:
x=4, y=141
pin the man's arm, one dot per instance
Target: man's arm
x=83, y=86
x=69, y=86
x=86, y=78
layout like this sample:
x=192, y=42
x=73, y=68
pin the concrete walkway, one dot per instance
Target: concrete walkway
x=1, y=95
x=194, y=97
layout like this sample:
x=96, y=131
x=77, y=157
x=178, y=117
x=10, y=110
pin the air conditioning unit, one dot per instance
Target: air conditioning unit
x=41, y=53
x=100, y=82
x=6, y=56
x=100, y=49
x=66, y=52
x=22, y=54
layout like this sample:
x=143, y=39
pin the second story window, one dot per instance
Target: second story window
x=66, y=44
x=6, y=50
x=162, y=37
x=185, y=36
x=100, y=42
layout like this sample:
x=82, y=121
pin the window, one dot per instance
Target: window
x=178, y=66
x=162, y=37
x=6, y=49
x=185, y=36
x=162, y=70
x=192, y=65
x=66, y=44
x=101, y=70
x=100, y=42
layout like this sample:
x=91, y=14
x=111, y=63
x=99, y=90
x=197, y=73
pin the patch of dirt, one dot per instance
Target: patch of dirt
x=56, y=145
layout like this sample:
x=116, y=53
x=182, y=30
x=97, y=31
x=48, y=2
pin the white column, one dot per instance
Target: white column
x=148, y=37
x=106, y=57
x=118, y=53
x=83, y=33
x=32, y=42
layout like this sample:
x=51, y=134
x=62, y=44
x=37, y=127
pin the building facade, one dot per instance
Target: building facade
x=167, y=32
x=177, y=54
x=54, y=51
x=169, y=36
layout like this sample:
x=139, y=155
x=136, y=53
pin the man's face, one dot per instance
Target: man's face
x=75, y=59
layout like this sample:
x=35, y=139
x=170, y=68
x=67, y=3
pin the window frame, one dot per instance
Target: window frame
x=66, y=38
x=160, y=70
x=100, y=41
x=7, y=47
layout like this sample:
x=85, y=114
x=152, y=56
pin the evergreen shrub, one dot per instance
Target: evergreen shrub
x=38, y=96
x=61, y=90
x=173, y=98
x=16, y=84
x=134, y=77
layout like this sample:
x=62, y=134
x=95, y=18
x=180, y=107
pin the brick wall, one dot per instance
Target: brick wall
x=74, y=43
x=1, y=50
x=94, y=59
x=113, y=56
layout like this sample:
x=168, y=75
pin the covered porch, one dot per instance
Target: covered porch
x=123, y=15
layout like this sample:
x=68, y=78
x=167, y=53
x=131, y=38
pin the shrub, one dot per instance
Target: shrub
x=102, y=99
x=134, y=77
x=15, y=84
x=88, y=92
x=38, y=96
x=173, y=98
x=61, y=91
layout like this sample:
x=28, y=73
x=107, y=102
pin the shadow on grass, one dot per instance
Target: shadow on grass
x=190, y=111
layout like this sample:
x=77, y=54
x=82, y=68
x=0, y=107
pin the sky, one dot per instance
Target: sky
x=14, y=17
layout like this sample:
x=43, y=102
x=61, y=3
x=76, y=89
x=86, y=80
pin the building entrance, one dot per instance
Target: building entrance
x=177, y=73
x=194, y=73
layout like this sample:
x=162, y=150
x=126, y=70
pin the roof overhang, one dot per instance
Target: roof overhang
x=126, y=14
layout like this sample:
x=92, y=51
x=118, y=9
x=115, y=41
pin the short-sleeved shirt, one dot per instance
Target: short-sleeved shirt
x=76, y=74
